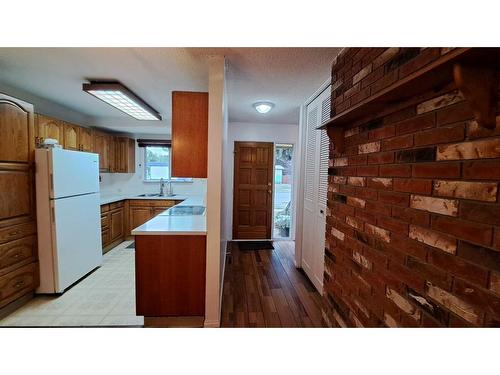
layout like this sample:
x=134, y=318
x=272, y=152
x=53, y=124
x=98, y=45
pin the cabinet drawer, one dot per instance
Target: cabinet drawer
x=17, y=231
x=105, y=237
x=115, y=205
x=17, y=251
x=17, y=283
x=104, y=208
x=152, y=203
x=104, y=220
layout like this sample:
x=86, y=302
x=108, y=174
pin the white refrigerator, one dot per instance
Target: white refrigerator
x=68, y=217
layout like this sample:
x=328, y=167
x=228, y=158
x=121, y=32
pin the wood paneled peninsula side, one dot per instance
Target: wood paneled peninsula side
x=170, y=259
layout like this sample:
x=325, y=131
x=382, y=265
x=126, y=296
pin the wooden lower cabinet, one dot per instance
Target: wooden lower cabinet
x=170, y=275
x=119, y=218
x=18, y=283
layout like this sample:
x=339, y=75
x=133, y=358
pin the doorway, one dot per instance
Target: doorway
x=253, y=190
x=283, y=194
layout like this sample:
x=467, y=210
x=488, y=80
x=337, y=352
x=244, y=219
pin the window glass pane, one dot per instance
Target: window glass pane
x=157, y=163
x=283, y=176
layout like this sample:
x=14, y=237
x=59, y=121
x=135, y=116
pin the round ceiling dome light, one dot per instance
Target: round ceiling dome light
x=263, y=107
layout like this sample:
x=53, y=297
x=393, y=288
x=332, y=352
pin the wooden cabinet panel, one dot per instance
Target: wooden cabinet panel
x=85, y=135
x=105, y=237
x=189, y=134
x=17, y=252
x=111, y=153
x=15, y=232
x=18, y=283
x=71, y=137
x=139, y=215
x=101, y=147
x=170, y=275
x=125, y=155
x=116, y=225
x=48, y=127
x=15, y=131
x=16, y=192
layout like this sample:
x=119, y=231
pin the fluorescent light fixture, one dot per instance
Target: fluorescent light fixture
x=117, y=95
x=263, y=107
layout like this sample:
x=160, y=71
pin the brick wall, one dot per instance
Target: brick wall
x=413, y=226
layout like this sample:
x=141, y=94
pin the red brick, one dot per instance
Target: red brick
x=454, y=113
x=356, y=160
x=400, y=115
x=393, y=225
x=429, y=272
x=372, y=77
x=371, y=170
x=440, y=135
x=407, y=276
x=482, y=170
x=416, y=123
x=440, y=101
x=481, y=149
x=425, y=57
x=413, y=185
x=432, y=238
x=380, y=183
x=483, y=213
x=378, y=208
x=366, y=216
x=411, y=216
x=439, y=170
x=353, y=90
x=383, y=132
x=397, y=199
x=381, y=158
x=496, y=239
x=477, y=296
x=366, y=193
x=438, y=205
x=361, y=95
x=458, y=267
x=465, y=230
x=474, y=130
x=482, y=256
x=481, y=191
x=397, y=143
x=388, y=54
x=405, y=245
x=395, y=170
x=385, y=81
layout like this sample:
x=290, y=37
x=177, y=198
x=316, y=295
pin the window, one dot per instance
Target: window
x=158, y=164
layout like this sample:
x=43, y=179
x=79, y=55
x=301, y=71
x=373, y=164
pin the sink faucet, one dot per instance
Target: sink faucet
x=162, y=185
x=170, y=191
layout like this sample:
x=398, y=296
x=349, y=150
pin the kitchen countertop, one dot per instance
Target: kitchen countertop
x=111, y=198
x=163, y=224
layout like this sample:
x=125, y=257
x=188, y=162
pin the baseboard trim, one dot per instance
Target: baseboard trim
x=212, y=324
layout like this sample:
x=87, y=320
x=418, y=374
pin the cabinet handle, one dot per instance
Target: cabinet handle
x=16, y=255
x=14, y=233
x=19, y=284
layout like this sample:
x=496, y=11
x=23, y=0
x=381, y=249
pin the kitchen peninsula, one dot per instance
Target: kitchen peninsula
x=170, y=258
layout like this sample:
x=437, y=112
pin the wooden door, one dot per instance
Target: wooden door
x=48, y=127
x=71, y=137
x=139, y=215
x=253, y=190
x=85, y=135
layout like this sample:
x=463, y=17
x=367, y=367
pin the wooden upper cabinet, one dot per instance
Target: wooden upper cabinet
x=111, y=153
x=101, y=147
x=85, y=135
x=124, y=155
x=16, y=131
x=48, y=127
x=71, y=137
x=189, y=134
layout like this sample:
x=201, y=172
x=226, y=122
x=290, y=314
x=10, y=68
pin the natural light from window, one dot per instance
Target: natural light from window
x=158, y=164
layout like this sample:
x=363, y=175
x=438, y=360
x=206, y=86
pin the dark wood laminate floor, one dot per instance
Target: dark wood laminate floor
x=262, y=288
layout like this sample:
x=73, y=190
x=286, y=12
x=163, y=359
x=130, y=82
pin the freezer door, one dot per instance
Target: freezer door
x=77, y=234
x=73, y=173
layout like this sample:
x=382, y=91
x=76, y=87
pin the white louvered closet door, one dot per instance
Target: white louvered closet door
x=315, y=189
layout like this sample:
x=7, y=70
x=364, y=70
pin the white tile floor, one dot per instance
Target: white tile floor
x=104, y=298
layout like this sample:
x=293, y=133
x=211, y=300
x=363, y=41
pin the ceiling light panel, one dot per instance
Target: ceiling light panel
x=120, y=97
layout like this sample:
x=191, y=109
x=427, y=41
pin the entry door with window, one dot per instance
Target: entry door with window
x=253, y=190
x=315, y=188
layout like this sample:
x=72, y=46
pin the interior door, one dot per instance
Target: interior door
x=315, y=189
x=253, y=190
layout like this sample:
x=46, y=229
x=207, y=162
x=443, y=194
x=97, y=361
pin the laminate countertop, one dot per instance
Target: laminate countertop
x=164, y=224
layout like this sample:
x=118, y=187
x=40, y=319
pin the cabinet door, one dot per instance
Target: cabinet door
x=71, y=137
x=121, y=155
x=101, y=147
x=189, y=134
x=110, y=144
x=85, y=135
x=139, y=215
x=48, y=127
x=116, y=224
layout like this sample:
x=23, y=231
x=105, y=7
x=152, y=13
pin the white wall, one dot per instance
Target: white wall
x=133, y=183
x=216, y=249
x=277, y=133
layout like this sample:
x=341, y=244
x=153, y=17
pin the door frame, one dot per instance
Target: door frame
x=299, y=207
x=271, y=218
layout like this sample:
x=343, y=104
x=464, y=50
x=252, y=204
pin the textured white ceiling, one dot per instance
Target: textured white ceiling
x=285, y=76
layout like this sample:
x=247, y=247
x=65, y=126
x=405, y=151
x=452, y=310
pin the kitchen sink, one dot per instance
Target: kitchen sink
x=185, y=211
x=157, y=195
